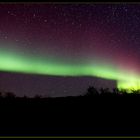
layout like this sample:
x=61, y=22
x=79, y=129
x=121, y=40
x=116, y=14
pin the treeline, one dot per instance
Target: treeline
x=91, y=92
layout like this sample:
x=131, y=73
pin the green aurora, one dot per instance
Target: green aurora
x=16, y=62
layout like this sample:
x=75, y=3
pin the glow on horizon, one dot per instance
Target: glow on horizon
x=15, y=62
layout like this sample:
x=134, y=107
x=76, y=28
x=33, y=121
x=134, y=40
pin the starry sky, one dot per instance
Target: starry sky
x=61, y=49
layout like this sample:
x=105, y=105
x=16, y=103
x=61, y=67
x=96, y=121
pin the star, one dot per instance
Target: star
x=5, y=37
x=17, y=40
x=72, y=23
x=34, y=15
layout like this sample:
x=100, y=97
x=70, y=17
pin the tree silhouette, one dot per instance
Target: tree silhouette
x=91, y=91
x=116, y=91
x=104, y=91
x=123, y=91
x=135, y=91
x=10, y=95
x=25, y=97
x=0, y=94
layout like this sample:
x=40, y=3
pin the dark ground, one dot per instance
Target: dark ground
x=71, y=116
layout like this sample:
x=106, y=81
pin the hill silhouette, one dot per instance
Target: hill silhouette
x=97, y=112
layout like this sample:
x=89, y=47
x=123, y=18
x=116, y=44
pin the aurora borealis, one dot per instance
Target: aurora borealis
x=72, y=40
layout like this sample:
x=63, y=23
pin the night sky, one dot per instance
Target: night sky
x=61, y=49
